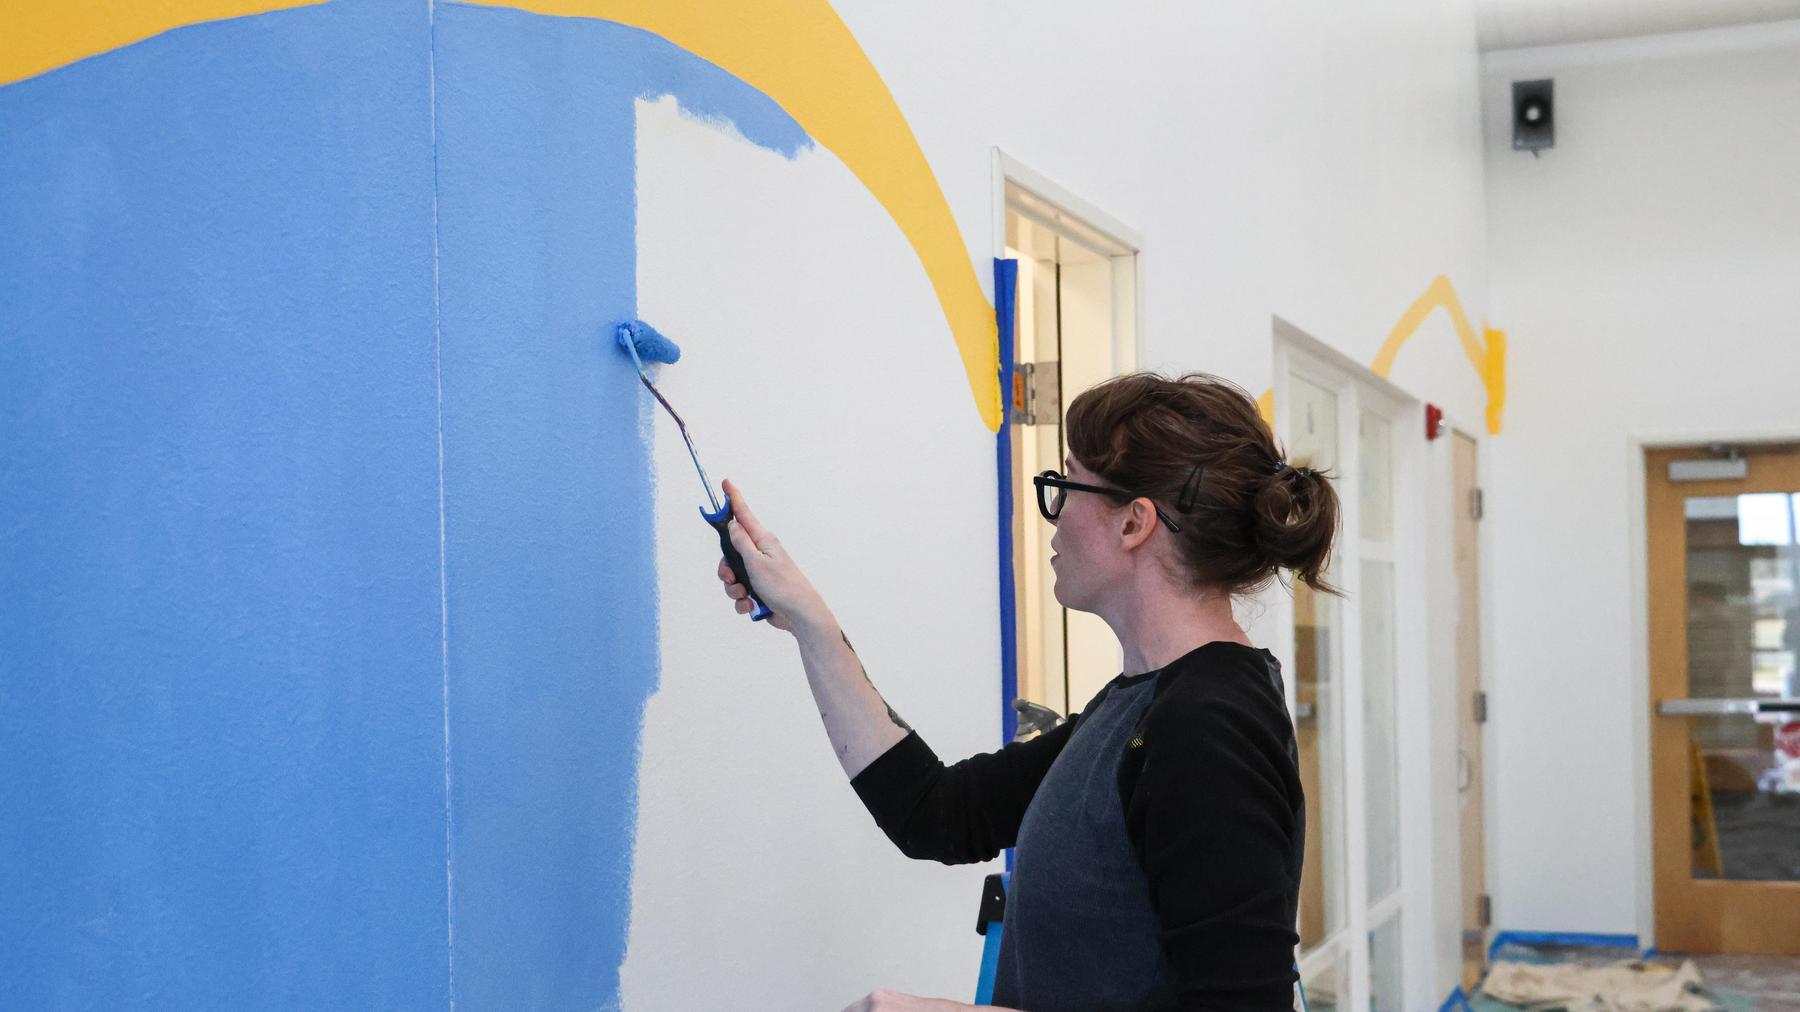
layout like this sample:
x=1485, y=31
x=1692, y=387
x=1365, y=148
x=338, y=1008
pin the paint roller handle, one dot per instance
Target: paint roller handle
x=721, y=522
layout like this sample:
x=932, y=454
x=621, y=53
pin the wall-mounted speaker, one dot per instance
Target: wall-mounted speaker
x=1534, y=115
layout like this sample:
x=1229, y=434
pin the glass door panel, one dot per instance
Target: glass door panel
x=1384, y=967
x=1376, y=604
x=1319, y=711
x=1382, y=731
x=1743, y=636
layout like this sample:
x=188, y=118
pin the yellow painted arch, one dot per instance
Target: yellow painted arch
x=1488, y=358
x=801, y=55
x=797, y=52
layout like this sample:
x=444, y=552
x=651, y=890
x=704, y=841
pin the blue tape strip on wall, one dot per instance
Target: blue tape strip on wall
x=1006, y=282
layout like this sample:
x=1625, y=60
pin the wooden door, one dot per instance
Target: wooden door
x=1724, y=608
x=1471, y=706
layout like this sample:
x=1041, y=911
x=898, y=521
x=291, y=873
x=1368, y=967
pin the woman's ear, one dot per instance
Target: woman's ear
x=1138, y=523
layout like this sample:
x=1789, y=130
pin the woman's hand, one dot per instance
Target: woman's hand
x=779, y=582
x=894, y=1001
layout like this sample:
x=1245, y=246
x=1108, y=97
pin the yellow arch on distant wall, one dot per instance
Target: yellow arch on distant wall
x=1489, y=359
x=797, y=52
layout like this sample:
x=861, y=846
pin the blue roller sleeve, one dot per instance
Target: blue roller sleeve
x=720, y=522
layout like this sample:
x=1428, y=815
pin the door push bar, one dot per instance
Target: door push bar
x=1727, y=707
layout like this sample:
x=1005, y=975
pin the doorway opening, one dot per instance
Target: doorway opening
x=1076, y=325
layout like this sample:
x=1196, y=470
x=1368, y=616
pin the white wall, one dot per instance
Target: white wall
x=1306, y=160
x=817, y=373
x=1319, y=163
x=1647, y=268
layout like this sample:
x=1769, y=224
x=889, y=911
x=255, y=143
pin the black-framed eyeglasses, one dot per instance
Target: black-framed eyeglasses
x=1053, y=490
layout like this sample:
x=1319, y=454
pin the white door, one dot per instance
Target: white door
x=1348, y=665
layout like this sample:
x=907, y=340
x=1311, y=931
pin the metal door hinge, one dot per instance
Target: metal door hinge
x=1477, y=504
x=1037, y=393
x=1486, y=910
x=1481, y=714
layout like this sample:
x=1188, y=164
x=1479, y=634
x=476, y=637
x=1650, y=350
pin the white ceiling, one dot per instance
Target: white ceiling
x=1513, y=24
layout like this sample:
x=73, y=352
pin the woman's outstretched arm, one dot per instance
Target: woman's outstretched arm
x=858, y=722
x=965, y=812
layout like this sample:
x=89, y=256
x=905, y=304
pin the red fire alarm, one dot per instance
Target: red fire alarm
x=1434, y=421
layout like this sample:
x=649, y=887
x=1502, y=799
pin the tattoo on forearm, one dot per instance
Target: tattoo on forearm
x=895, y=717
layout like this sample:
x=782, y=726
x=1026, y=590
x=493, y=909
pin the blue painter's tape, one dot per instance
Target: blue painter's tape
x=1006, y=284
x=1456, y=1001
x=1560, y=938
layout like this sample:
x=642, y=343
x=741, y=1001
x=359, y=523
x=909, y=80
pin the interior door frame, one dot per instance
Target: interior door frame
x=1640, y=447
x=1128, y=314
x=1083, y=223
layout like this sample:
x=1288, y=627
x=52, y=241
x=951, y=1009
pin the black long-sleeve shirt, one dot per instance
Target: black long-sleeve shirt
x=1159, y=839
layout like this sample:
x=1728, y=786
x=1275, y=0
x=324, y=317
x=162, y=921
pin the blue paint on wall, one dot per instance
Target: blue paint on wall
x=552, y=619
x=705, y=91
x=220, y=695
x=222, y=666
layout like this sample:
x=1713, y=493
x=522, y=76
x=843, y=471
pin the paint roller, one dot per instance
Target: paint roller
x=642, y=342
